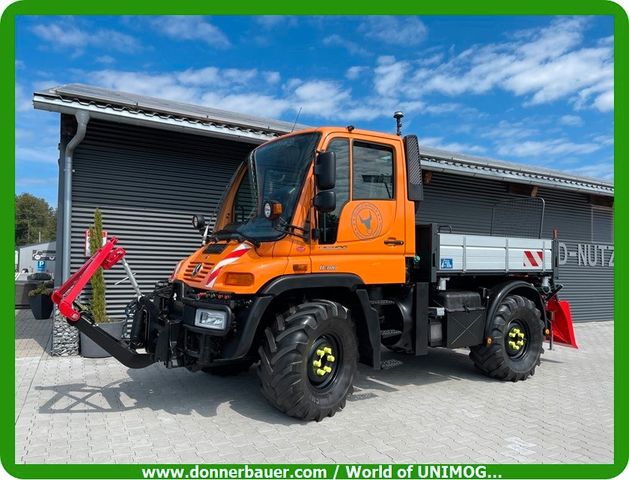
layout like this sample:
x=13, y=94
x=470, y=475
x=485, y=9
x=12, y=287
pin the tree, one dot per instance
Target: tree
x=98, y=303
x=35, y=220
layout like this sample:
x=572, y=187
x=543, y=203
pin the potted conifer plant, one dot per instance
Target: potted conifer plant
x=40, y=301
x=98, y=304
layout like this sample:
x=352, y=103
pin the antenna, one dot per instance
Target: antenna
x=398, y=122
x=296, y=118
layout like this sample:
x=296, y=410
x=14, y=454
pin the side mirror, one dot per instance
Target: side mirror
x=325, y=201
x=325, y=170
x=198, y=222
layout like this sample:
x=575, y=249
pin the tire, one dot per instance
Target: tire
x=516, y=341
x=290, y=377
x=230, y=369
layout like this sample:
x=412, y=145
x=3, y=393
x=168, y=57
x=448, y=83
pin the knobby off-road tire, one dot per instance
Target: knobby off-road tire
x=516, y=341
x=308, y=360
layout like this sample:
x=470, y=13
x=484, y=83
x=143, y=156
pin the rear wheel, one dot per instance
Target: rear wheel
x=308, y=360
x=516, y=341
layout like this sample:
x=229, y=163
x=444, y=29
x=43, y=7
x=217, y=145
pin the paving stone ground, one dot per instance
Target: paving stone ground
x=436, y=408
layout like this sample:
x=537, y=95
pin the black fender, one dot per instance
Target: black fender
x=370, y=348
x=516, y=287
x=285, y=283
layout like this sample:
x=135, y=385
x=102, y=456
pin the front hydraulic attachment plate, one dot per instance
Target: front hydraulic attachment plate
x=65, y=299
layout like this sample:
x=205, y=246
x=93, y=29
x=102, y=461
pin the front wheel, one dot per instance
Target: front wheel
x=309, y=359
x=515, y=342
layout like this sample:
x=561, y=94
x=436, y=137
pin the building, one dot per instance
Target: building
x=150, y=164
x=39, y=257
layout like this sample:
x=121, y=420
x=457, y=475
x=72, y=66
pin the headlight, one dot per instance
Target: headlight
x=214, y=319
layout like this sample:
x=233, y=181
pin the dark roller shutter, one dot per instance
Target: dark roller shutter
x=465, y=204
x=148, y=184
x=587, y=273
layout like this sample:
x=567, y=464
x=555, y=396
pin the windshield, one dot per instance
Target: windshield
x=275, y=172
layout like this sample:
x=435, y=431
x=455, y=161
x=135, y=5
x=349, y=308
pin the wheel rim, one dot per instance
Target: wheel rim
x=324, y=361
x=517, y=339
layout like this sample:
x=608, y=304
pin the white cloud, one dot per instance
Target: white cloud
x=36, y=155
x=543, y=64
x=571, y=120
x=438, y=142
x=399, y=30
x=603, y=170
x=335, y=40
x=546, y=148
x=274, y=21
x=105, y=59
x=389, y=76
x=23, y=103
x=354, y=72
x=67, y=35
x=191, y=27
x=320, y=97
x=250, y=103
x=35, y=182
x=23, y=134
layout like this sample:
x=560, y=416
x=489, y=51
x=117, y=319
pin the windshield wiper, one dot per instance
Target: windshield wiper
x=289, y=229
x=232, y=234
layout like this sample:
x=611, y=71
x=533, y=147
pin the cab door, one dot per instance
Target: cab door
x=365, y=234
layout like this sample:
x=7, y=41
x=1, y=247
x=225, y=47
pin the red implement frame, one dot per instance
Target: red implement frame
x=66, y=294
x=561, y=322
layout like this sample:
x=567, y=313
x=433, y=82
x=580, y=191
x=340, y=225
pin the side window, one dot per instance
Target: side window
x=329, y=222
x=372, y=172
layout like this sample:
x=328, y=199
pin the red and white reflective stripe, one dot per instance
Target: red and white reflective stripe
x=231, y=257
x=533, y=258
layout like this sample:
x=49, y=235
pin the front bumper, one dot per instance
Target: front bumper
x=176, y=340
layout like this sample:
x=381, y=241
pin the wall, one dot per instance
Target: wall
x=45, y=252
x=148, y=183
x=465, y=203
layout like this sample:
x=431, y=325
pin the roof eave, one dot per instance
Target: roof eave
x=111, y=114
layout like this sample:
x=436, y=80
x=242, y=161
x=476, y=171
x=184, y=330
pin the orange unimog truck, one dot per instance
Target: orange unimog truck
x=317, y=260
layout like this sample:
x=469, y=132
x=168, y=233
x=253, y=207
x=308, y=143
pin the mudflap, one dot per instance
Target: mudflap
x=561, y=322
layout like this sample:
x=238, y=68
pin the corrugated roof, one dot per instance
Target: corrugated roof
x=138, y=109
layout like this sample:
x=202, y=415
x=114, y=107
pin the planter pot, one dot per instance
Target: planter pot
x=89, y=349
x=41, y=306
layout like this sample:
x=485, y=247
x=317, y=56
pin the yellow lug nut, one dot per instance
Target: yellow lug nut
x=331, y=358
x=327, y=350
x=320, y=352
x=327, y=369
x=520, y=342
x=320, y=372
x=316, y=363
x=512, y=334
x=513, y=345
x=521, y=335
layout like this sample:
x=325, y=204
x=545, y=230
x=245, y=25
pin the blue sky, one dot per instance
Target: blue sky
x=534, y=90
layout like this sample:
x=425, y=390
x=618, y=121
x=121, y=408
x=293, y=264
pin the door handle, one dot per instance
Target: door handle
x=393, y=241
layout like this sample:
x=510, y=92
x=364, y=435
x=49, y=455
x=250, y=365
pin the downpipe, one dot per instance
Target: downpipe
x=82, y=119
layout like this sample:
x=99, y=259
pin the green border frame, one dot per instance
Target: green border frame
x=448, y=7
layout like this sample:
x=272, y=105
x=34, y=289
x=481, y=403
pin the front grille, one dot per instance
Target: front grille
x=201, y=275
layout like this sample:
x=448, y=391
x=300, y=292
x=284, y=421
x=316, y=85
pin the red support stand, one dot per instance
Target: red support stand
x=66, y=294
